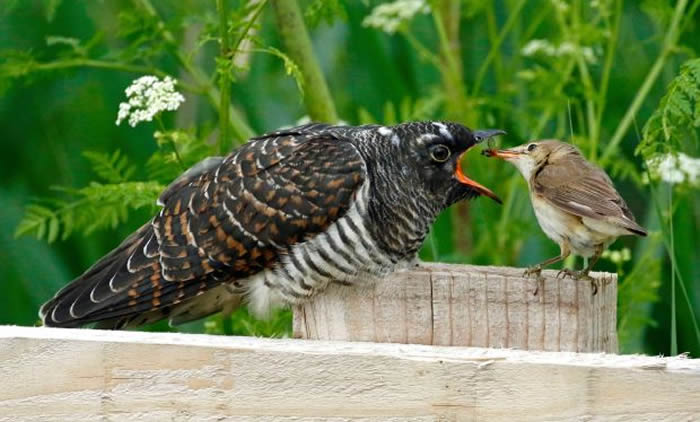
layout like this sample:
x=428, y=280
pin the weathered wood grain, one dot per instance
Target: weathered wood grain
x=52, y=375
x=464, y=305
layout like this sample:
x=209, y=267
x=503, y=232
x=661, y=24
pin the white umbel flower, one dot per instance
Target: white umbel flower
x=534, y=47
x=560, y=5
x=148, y=96
x=566, y=48
x=389, y=16
x=617, y=257
x=675, y=168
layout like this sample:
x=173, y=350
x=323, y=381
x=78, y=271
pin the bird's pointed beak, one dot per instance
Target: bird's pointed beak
x=503, y=154
x=479, y=136
x=482, y=135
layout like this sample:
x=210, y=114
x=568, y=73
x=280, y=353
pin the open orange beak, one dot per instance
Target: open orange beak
x=479, y=136
x=462, y=178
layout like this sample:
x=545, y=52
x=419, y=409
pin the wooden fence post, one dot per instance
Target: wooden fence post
x=464, y=305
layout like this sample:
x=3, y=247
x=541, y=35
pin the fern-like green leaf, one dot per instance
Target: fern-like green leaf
x=623, y=169
x=164, y=166
x=143, y=32
x=15, y=64
x=36, y=218
x=289, y=66
x=68, y=218
x=52, y=234
x=677, y=117
x=94, y=207
x=113, y=168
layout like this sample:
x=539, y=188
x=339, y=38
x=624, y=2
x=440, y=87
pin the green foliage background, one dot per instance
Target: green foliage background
x=603, y=75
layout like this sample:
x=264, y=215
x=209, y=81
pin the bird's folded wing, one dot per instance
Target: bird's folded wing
x=226, y=223
x=581, y=190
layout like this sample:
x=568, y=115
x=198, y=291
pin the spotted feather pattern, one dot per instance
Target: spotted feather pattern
x=221, y=222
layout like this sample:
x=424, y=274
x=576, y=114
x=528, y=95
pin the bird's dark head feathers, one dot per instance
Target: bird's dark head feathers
x=431, y=153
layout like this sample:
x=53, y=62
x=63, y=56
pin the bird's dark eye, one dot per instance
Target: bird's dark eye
x=440, y=153
x=531, y=147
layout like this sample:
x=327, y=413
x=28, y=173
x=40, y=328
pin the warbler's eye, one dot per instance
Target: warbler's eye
x=531, y=147
x=440, y=153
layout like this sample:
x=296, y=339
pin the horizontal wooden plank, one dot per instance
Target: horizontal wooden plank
x=80, y=375
x=467, y=305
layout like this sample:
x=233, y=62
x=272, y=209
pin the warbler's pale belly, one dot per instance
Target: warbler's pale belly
x=582, y=234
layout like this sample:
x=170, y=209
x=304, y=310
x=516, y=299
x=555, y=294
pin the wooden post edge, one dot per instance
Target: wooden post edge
x=69, y=374
x=466, y=305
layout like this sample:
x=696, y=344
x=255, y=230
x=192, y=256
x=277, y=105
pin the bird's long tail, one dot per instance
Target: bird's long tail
x=634, y=228
x=123, y=288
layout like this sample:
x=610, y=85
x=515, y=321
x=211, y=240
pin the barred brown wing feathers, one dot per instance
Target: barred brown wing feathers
x=219, y=224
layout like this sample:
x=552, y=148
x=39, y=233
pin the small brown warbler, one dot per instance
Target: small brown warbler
x=575, y=202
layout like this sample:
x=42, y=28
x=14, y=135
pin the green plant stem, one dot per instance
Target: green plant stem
x=605, y=78
x=224, y=77
x=670, y=250
x=246, y=30
x=496, y=45
x=590, y=94
x=226, y=323
x=493, y=35
x=669, y=45
x=571, y=120
x=202, y=86
x=445, y=44
x=451, y=14
x=589, y=91
x=579, y=117
x=674, y=325
x=100, y=64
x=171, y=142
x=103, y=64
x=568, y=69
x=298, y=46
x=535, y=22
x=422, y=50
x=241, y=130
x=691, y=12
x=177, y=155
x=451, y=70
